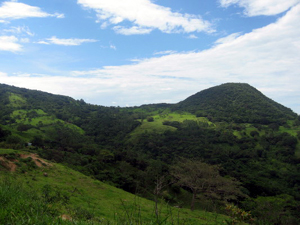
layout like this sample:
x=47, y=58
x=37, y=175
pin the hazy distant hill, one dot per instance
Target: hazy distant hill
x=235, y=102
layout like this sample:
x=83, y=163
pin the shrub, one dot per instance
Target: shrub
x=150, y=119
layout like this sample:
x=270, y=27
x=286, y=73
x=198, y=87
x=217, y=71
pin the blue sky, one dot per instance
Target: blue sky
x=134, y=52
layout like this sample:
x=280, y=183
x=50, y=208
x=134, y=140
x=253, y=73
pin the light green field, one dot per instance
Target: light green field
x=16, y=100
x=42, y=117
x=23, y=113
x=41, y=120
x=248, y=129
x=237, y=134
x=157, y=124
x=292, y=131
x=8, y=151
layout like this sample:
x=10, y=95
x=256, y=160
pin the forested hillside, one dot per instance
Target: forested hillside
x=238, y=103
x=246, y=144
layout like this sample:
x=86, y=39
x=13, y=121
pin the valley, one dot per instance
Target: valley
x=120, y=161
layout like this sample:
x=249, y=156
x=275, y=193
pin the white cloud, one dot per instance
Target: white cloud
x=9, y=43
x=66, y=42
x=113, y=47
x=192, y=36
x=43, y=42
x=58, y=15
x=2, y=75
x=228, y=38
x=168, y=52
x=262, y=7
x=17, y=10
x=19, y=30
x=131, y=30
x=24, y=40
x=145, y=16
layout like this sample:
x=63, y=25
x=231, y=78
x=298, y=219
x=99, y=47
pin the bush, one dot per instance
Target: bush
x=14, y=140
x=150, y=119
x=254, y=133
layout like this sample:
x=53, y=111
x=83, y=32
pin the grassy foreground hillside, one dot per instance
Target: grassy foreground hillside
x=41, y=192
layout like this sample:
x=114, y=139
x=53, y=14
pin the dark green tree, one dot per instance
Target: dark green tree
x=203, y=178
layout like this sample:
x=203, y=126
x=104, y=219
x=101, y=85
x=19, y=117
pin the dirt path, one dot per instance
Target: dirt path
x=12, y=167
x=38, y=161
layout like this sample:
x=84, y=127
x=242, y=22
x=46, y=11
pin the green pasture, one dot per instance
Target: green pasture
x=40, y=120
x=292, y=130
x=157, y=124
x=247, y=129
x=16, y=100
x=8, y=151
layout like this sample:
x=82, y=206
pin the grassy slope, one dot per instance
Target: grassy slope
x=7, y=151
x=105, y=202
x=40, y=120
x=157, y=124
x=16, y=100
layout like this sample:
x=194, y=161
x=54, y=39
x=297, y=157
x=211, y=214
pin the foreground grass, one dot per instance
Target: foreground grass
x=84, y=199
x=19, y=205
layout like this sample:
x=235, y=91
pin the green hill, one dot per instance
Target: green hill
x=236, y=102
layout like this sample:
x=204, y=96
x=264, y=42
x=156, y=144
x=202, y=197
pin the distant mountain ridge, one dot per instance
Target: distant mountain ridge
x=238, y=102
x=230, y=102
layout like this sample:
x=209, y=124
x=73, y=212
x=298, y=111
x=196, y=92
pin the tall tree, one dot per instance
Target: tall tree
x=201, y=177
x=195, y=175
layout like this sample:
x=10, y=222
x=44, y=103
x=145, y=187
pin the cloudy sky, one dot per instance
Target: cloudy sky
x=134, y=52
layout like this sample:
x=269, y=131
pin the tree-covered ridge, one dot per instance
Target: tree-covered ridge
x=101, y=124
x=236, y=102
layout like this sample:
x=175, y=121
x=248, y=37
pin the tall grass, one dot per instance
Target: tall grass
x=19, y=205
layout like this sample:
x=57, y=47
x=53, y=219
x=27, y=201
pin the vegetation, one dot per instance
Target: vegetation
x=238, y=103
x=53, y=192
x=202, y=178
x=238, y=146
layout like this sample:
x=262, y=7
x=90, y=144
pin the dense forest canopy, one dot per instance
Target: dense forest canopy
x=250, y=142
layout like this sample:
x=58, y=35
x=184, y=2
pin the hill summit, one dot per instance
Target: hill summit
x=238, y=102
